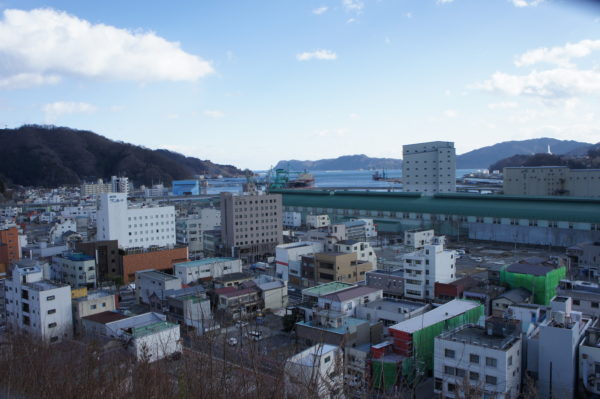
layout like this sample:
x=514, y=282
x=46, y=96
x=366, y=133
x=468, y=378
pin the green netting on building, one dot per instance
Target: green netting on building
x=385, y=374
x=542, y=287
x=423, y=340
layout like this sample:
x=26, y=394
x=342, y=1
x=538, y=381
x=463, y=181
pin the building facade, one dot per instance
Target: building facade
x=552, y=180
x=251, y=224
x=39, y=307
x=75, y=269
x=429, y=168
x=425, y=267
x=206, y=269
x=141, y=226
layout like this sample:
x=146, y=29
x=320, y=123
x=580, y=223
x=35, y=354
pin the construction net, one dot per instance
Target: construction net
x=385, y=374
x=543, y=288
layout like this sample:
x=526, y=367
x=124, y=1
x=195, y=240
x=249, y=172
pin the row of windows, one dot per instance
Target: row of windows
x=161, y=216
x=151, y=224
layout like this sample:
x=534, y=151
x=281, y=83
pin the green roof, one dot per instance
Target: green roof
x=152, y=328
x=326, y=288
x=568, y=209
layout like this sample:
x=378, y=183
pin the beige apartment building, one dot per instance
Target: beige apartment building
x=252, y=224
x=325, y=267
x=552, y=180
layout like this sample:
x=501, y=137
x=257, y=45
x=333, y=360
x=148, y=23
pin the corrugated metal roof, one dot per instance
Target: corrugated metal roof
x=441, y=313
x=351, y=293
x=571, y=209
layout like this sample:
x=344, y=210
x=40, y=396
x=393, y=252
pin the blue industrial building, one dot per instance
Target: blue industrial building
x=186, y=187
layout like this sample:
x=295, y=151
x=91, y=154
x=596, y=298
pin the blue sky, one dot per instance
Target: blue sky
x=253, y=82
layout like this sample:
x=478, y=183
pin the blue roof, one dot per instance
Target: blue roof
x=77, y=257
x=204, y=261
x=180, y=182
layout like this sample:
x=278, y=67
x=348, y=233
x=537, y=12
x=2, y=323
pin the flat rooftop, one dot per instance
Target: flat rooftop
x=325, y=289
x=307, y=357
x=156, y=275
x=390, y=305
x=348, y=325
x=439, y=314
x=205, y=261
x=475, y=335
x=45, y=285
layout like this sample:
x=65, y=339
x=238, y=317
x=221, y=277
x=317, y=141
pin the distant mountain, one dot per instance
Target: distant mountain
x=588, y=160
x=50, y=156
x=346, y=162
x=483, y=157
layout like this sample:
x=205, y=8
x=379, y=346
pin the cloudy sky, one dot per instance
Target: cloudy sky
x=253, y=82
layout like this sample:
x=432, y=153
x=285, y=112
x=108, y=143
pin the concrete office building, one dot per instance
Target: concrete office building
x=75, y=269
x=292, y=219
x=552, y=180
x=251, y=224
x=151, y=287
x=425, y=267
x=317, y=221
x=472, y=361
x=417, y=239
x=556, y=221
x=363, y=250
x=140, y=226
x=326, y=267
x=189, y=230
x=288, y=258
x=90, y=304
x=36, y=306
x=429, y=168
x=206, y=269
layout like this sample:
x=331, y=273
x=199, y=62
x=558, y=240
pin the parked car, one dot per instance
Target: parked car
x=232, y=341
x=240, y=324
x=255, y=335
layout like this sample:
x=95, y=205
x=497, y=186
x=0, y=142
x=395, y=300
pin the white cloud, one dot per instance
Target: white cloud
x=450, y=113
x=350, y=20
x=320, y=10
x=317, y=55
x=214, y=113
x=46, y=45
x=354, y=116
x=444, y=1
x=553, y=83
x=503, y=105
x=22, y=80
x=526, y=3
x=353, y=5
x=56, y=109
x=408, y=14
x=560, y=56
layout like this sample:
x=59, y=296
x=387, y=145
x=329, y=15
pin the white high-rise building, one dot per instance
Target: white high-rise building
x=140, y=226
x=427, y=266
x=36, y=306
x=429, y=168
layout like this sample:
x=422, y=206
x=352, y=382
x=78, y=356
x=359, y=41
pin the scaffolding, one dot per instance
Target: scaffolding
x=543, y=287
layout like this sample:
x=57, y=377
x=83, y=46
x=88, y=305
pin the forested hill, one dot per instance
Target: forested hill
x=50, y=156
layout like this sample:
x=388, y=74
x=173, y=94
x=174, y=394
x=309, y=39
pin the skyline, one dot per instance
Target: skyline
x=252, y=84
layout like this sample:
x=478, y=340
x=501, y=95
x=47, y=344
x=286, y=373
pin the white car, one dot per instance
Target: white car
x=255, y=335
x=232, y=341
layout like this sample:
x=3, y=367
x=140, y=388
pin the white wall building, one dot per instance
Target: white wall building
x=429, y=168
x=363, y=250
x=75, y=269
x=207, y=268
x=425, y=267
x=315, y=372
x=288, y=257
x=417, y=239
x=292, y=219
x=317, y=221
x=149, y=337
x=190, y=229
x=141, y=226
x=473, y=361
x=151, y=287
x=36, y=306
x=589, y=361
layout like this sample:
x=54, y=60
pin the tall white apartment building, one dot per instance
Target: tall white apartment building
x=141, y=226
x=429, y=168
x=364, y=250
x=116, y=185
x=477, y=362
x=39, y=307
x=317, y=221
x=427, y=266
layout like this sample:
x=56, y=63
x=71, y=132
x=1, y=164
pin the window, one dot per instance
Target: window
x=449, y=353
x=490, y=379
x=473, y=376
x=510, y=360
x=460, y=372
x=491, y=362
x=54, y=339
x=576, y=302
x=451, y=387
x=51, y=325
x=327, y=359
x=595, y=305
x=51, y=311
x=50, y=298
x=448, y=370
x=439, y=384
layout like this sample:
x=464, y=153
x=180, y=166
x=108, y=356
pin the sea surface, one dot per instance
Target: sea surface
x=326, y=178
